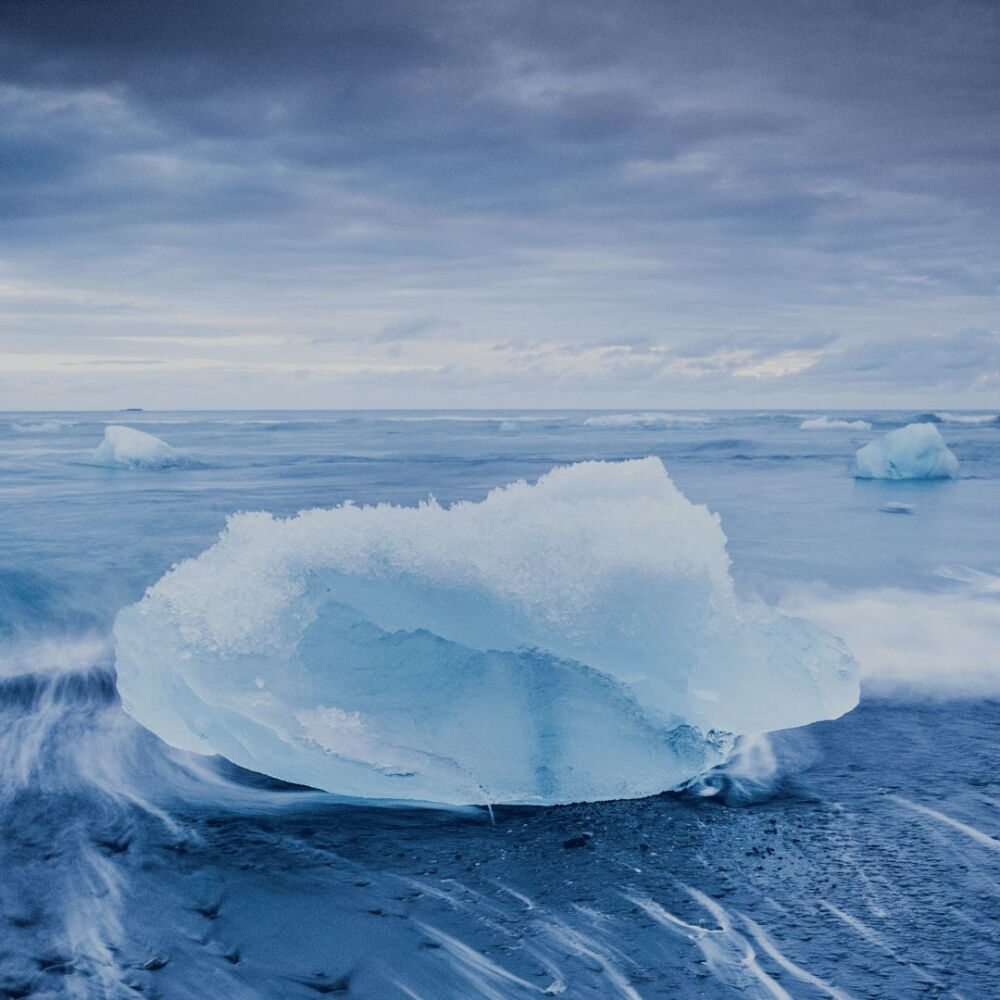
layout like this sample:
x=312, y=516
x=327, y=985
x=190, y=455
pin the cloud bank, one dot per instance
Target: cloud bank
x=586, y=204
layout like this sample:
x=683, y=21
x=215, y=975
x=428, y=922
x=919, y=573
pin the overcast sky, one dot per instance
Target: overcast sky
x=519, y=204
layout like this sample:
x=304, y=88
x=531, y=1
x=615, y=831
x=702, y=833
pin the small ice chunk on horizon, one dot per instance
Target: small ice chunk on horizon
x=916, y=451
x=897, y=507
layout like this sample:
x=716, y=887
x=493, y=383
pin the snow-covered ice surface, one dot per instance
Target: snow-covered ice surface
x=916, y=451
x=851, y=858
x=576, y=639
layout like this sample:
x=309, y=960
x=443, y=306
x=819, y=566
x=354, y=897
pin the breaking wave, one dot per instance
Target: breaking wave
x=37, y=427
x=646, y=421
x=966, y=418
x=826, y=424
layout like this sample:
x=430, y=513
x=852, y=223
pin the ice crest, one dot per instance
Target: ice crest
x=916, y=451
x=575, y=639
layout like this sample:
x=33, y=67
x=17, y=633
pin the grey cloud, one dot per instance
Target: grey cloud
x=969, y=358
x=752, y=171
x=761, y=343
x=407, y=329
x=413, y=86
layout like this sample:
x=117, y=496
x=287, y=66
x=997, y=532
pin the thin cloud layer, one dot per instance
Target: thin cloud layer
x=601, y=202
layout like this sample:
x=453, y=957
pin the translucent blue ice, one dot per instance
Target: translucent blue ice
x=575, y=639
x=916, y=451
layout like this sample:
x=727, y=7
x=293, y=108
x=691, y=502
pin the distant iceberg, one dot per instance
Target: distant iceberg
x=125, y=447
x=916, y=451
x=576, y=639
x=646, y=421
x=826, y=424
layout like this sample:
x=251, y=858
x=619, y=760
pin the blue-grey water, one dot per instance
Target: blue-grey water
x=861, y=861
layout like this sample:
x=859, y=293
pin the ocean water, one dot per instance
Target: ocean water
x=852, y=858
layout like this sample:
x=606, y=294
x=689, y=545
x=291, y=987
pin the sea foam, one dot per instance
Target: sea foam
x=913, y=644
x=575, y=639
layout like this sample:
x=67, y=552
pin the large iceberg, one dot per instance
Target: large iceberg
x=916, y=451
x=127, y=448
x=576, y=639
